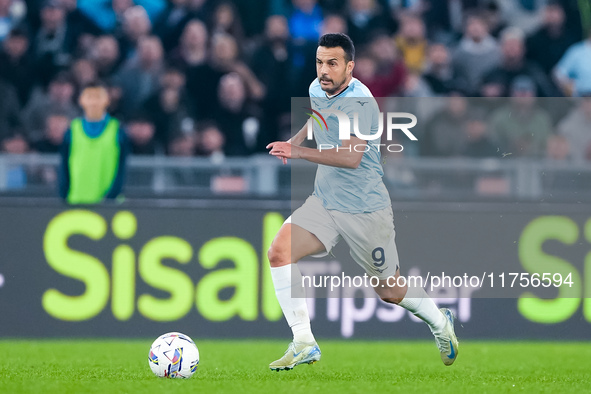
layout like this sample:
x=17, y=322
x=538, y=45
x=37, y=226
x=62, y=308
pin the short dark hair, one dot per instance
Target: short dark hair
x=333, y=40
x=96, y=84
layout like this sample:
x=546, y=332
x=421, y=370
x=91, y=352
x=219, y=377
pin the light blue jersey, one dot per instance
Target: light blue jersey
x=356, y=190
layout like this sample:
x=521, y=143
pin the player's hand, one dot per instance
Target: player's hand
x=283, y=150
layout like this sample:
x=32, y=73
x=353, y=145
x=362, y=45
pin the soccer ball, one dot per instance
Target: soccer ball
x=173, y=355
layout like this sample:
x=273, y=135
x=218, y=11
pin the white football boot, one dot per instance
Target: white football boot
x=297, y=353
x=447, y=342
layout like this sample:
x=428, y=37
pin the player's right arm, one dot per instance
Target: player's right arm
x=346, y=156
x=299, y=137
x=295, y=140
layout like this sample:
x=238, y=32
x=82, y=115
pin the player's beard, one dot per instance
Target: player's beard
x=335, y=87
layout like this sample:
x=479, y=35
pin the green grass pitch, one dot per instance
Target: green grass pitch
x=238, y=367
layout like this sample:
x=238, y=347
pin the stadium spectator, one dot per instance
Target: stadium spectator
x=16, y=64
x=140, y=131
x=271, y=62
x=442, y=18
x=192, y=49
x=14, y=143
x=416, y=7
x=139, y=76
x=108, y=15
x=170, y=109
x=93, y=153
x=575, y=129
x=115, y=97
x=83, y=72
x=235, y=118
x=225, y=58
x=106, y=56
x=62, y=40
x=270, y=59
x=557, y=148
x=54, y=43
x=9, y=19
x=364, y=17
x=58, y=98
x=444, y=133
x=52, y=135
x=305, y=23
x=549, y=43
x=575, y=17
x=514, y=65
x=211, y=142
x=384, y=53
x=333, y=23
x=493, y=86
x=416, y=86
x=11, y=137
x=305, y=20
x=184, y=145
x=527, y=14
x=439, y=73
x=136, y=25
x=382, y=83
x=225, y=19
x=521, y=126
x=172, y=22
x=411, y=42
x=79, y=24
x=202, y=83
x=199, y=9
x=494, y=19
x=573, y=71
x=113, y=20
x=476, y=54
x=478, y=141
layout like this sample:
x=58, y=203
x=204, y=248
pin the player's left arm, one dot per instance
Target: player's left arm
x=348, y=155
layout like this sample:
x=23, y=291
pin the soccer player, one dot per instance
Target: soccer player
x=350, y=202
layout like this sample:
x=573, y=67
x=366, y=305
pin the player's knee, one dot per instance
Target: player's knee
x=277, y=256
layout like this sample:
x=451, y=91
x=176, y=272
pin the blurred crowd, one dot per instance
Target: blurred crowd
x=216, y=77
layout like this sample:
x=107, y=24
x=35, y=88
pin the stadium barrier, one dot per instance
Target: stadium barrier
x=261, y=176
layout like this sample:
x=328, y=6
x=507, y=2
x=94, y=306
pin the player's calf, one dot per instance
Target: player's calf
x=389, y=292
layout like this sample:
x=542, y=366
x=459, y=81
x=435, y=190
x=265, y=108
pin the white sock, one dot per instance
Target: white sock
x=422, y=306
x=294, y=309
